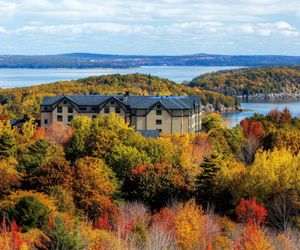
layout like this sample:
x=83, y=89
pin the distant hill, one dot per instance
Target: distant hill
x=17, y=102
x=85, y=60
x=270, y=82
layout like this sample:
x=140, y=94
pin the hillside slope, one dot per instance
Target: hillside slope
x=261, y=82
x=19, y=101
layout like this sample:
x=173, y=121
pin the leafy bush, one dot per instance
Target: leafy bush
x=30, y=213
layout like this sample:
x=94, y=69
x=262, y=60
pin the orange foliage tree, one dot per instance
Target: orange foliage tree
x=56, y=172
x=253, y=238
x=94, y=184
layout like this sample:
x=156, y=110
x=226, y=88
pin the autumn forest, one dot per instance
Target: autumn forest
x=98, y=184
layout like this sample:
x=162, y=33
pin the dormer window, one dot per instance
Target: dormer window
x=118, y=110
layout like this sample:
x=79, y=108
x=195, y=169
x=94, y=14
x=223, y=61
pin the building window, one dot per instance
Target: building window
x=159, y=130
x=94, y=116
x=106, y=110
x=64, y=102
x=158, y=122
x=112, y=102
x=158, y=106
x=59, y=109
x=158, y=112
x=95, y=109
x=82, y=109
x=118, y=110
x=70, y=109
x=59, y=118
x=46, y=121
x=70, y=118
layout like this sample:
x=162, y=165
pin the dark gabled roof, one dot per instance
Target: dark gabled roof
x=134, y=102
x=168, y=102
x=89, y=100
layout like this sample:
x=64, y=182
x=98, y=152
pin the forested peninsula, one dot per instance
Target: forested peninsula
x=268, y=83
x=17, y=102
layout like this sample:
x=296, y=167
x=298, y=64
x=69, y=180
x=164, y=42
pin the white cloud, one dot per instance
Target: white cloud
x=277, y=28
x=35, y=4
x=7, y=8
x=173, y=22
x=265, y=32
x=247, y=28
x=86, y=28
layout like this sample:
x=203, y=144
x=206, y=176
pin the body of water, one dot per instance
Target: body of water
x=10, y=78
x=260, y=108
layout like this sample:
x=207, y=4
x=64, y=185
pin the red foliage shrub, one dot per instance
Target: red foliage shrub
x=253, y=129
x=285, y=116
x=249, y=211
x=274, y=115
x=140, y=169
x=11, y=235
x=280, y=117
x=164, y=219
x=102, y=223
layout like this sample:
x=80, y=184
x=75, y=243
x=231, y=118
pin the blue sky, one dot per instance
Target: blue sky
x=152, y=27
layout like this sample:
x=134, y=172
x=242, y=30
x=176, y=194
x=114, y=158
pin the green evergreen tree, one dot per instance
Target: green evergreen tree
x=36, y=155
x=7, y=145
x=205, y=181
x=62, y=236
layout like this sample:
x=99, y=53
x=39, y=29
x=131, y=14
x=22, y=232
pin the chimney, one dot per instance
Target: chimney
x=125, y=97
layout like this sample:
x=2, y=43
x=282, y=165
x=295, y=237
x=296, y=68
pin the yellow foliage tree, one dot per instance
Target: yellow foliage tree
x=14, y=197
x=272, y=172
x=189, y=225
x=9, y=176
x=29, y=129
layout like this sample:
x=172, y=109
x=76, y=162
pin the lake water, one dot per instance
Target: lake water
x=10, y=78
x=260, y=108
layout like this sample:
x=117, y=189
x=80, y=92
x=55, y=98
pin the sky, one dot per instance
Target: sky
x=150, y=27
